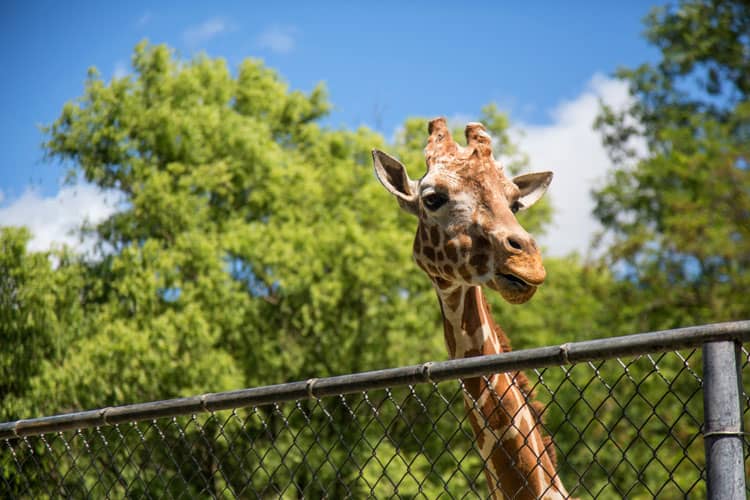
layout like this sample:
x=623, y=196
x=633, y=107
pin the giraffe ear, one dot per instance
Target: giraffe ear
x=532, y=187
x=392, y=175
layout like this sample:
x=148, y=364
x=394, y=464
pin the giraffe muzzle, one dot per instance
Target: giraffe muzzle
x=526, y=267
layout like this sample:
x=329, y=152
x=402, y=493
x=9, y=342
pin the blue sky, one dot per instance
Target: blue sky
x=381, y=62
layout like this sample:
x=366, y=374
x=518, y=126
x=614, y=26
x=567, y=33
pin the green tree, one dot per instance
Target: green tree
x=677, y=219
x=39, y=314
x=248, y=233
x=676, y=216
x=252, y=247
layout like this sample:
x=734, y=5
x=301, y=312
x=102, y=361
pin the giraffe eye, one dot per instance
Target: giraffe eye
x=433, y=201
x=515, y=207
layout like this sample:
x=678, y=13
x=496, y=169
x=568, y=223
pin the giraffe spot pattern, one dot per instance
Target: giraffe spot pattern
x=478, y=260
x=451, y=251
x=482, y=244
x=450, y=340
x=483, y=268
x=465, y=273
x=434, y=236
x=503, y=421
x=454, y=299
x=443, y=283
x=423, y=233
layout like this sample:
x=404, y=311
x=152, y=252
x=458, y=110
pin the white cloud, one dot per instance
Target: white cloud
x=121, y=70
x=279, y=39
x=572, y=149
x=53, y=220
x=211, y=28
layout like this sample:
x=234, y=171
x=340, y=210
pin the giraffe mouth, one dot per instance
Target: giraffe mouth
x=513, y=288
x=515, y=280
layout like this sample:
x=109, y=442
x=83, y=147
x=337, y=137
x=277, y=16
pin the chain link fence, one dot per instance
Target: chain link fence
x=625, y=414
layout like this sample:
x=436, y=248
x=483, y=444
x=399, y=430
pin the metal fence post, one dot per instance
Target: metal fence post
x=722, y=429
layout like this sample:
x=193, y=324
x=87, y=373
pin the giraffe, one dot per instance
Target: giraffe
x=468, y=237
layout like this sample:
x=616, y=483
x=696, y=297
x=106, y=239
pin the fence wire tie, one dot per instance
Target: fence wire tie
x=734, y=431
x=103, y=415
x=310, y=386
x=203, y=402
x=564, y=350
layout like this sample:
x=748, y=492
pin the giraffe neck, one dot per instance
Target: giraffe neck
x=517, y=461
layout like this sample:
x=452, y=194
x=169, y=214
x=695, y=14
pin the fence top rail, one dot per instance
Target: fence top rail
x=563, y=354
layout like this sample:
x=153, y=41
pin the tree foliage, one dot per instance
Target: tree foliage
x=39, y=315
x=678, y=216
x=251, y=247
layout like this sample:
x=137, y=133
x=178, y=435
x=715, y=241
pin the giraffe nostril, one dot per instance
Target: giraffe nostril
x=514, y=243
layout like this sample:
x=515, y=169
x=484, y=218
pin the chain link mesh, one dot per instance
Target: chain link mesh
x=623, y=428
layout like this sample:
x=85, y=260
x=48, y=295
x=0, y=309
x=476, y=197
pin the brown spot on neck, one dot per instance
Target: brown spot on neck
x=443, y=284
x=479, y=260
x=451, y=251
x=482, y=244
x=434, y=236
x=450, y=338
x=448, y=270
x=471, y=320
x=465, y=273
x=453, y=299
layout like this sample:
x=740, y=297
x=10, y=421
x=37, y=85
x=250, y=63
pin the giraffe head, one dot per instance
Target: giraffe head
x=468, y=233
